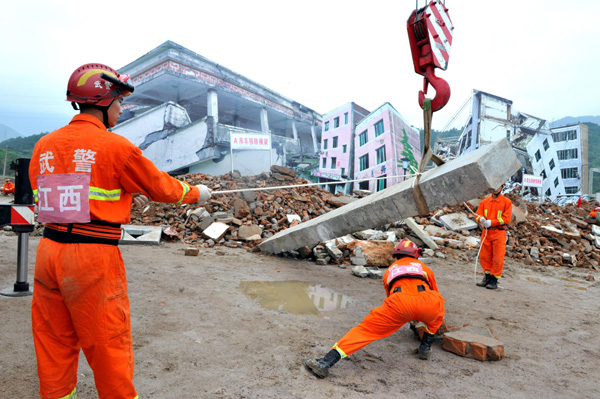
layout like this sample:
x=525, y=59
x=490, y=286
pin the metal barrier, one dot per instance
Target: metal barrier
x=21, y=217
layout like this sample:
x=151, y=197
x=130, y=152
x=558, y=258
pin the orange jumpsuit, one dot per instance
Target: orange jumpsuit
x=424, y=304
x=493, y=239
x=594, y=212
x=8, y=188
x=80, y=298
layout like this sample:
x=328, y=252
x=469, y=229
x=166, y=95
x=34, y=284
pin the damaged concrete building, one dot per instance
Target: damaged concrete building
x=559, y=156
x=189, y=114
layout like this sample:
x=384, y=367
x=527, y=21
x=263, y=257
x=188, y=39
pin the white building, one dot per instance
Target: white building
x=186, y=109
x=559, y=155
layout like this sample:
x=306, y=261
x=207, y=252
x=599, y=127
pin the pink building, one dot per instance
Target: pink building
x=383, y=140
x=336, y=162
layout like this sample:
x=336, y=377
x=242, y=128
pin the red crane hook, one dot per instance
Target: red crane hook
x=430, y=37
x=442, y=90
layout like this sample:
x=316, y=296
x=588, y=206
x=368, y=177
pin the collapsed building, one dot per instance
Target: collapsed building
x=189, y=114
x=558, y=156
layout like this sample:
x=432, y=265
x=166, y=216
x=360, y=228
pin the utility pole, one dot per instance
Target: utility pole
x=5, y=157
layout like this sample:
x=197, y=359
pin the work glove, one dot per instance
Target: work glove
x=139, y=200
x=205, y=193
x=487, y=223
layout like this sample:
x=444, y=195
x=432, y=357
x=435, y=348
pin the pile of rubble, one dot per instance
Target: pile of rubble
x=244, y=218
x=545, y=234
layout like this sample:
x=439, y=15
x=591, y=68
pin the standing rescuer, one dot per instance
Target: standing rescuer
x=412, y=294
x=83, y=177
x=493, y=215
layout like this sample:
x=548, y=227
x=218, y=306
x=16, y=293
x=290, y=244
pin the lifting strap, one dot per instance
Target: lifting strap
x=426, y=156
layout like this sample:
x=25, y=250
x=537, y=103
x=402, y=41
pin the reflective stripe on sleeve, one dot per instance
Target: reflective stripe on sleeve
x=485, y=213
x=35, y=195
x=500, y=217
x=101, y=194
x=186, y=189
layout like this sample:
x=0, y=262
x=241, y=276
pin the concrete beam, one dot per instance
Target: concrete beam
x=469, y=176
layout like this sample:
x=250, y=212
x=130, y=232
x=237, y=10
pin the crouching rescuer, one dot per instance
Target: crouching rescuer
x=83, y=178
x=412, y=294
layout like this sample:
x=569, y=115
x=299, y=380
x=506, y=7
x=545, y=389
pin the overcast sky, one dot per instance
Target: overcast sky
x=542, y=55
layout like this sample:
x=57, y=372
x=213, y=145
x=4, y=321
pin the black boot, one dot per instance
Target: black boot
x=320, y=367
x=486, y=280
x=493, y=284
x=424, y=350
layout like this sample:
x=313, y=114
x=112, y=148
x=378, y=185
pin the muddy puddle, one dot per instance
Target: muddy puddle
x=296, y=297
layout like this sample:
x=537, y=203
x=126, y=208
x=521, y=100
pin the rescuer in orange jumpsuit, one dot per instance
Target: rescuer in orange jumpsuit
x=493, y=215
x=412, y=294
x=83, y=177
x=8, y=187
x=594, y=213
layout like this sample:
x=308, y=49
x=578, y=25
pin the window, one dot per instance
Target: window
x=508, y=134
x=381, y=183
x=362, y=138
x=379, y=128
x=325, y=144
x=548, y=193
x=380, y=152
x=569, y=173
x=363, y=162
x=556, y=182
x=343, y=174
x=571, y=190
x=544, y=174
x=345, y=118
x=567, y=154
x=327, y=126
x=335, y=142
x=363, y=185
x=552, y=164
x=336, y=122
x=344, y=148
x=333, y=161
x=324, y=163
x=564, y=136
x=546, y=145
x=538, y=156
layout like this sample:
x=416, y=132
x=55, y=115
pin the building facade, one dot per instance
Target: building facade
x=336, y=161
x=383, y=140
x=186, y=108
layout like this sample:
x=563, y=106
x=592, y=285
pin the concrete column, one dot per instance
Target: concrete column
x=264, y=120
x=314, y=138
x=294, y=130
x=212, y=105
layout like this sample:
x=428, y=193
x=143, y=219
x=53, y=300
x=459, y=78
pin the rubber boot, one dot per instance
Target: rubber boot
x=424, y=350
x=493, y=284
x=486, y=280
x=320, y=367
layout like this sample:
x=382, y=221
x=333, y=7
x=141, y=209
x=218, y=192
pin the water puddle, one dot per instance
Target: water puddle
x=296, y=297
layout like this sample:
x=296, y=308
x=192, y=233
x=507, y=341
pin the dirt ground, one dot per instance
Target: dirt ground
x=198, y=333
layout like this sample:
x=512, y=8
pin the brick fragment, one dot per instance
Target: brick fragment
x=192, y=251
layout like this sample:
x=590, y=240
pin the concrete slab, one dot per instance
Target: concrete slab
x=418, y=230
x=457, y=221
x=469, y=176
x=134, y=234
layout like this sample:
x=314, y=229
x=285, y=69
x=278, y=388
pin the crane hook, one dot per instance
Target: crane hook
x=442, y=89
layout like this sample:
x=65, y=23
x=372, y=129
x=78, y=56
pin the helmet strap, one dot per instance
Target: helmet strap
x=75, y=106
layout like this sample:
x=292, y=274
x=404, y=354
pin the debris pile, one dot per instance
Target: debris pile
x=240, y=219
x=541, y=233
